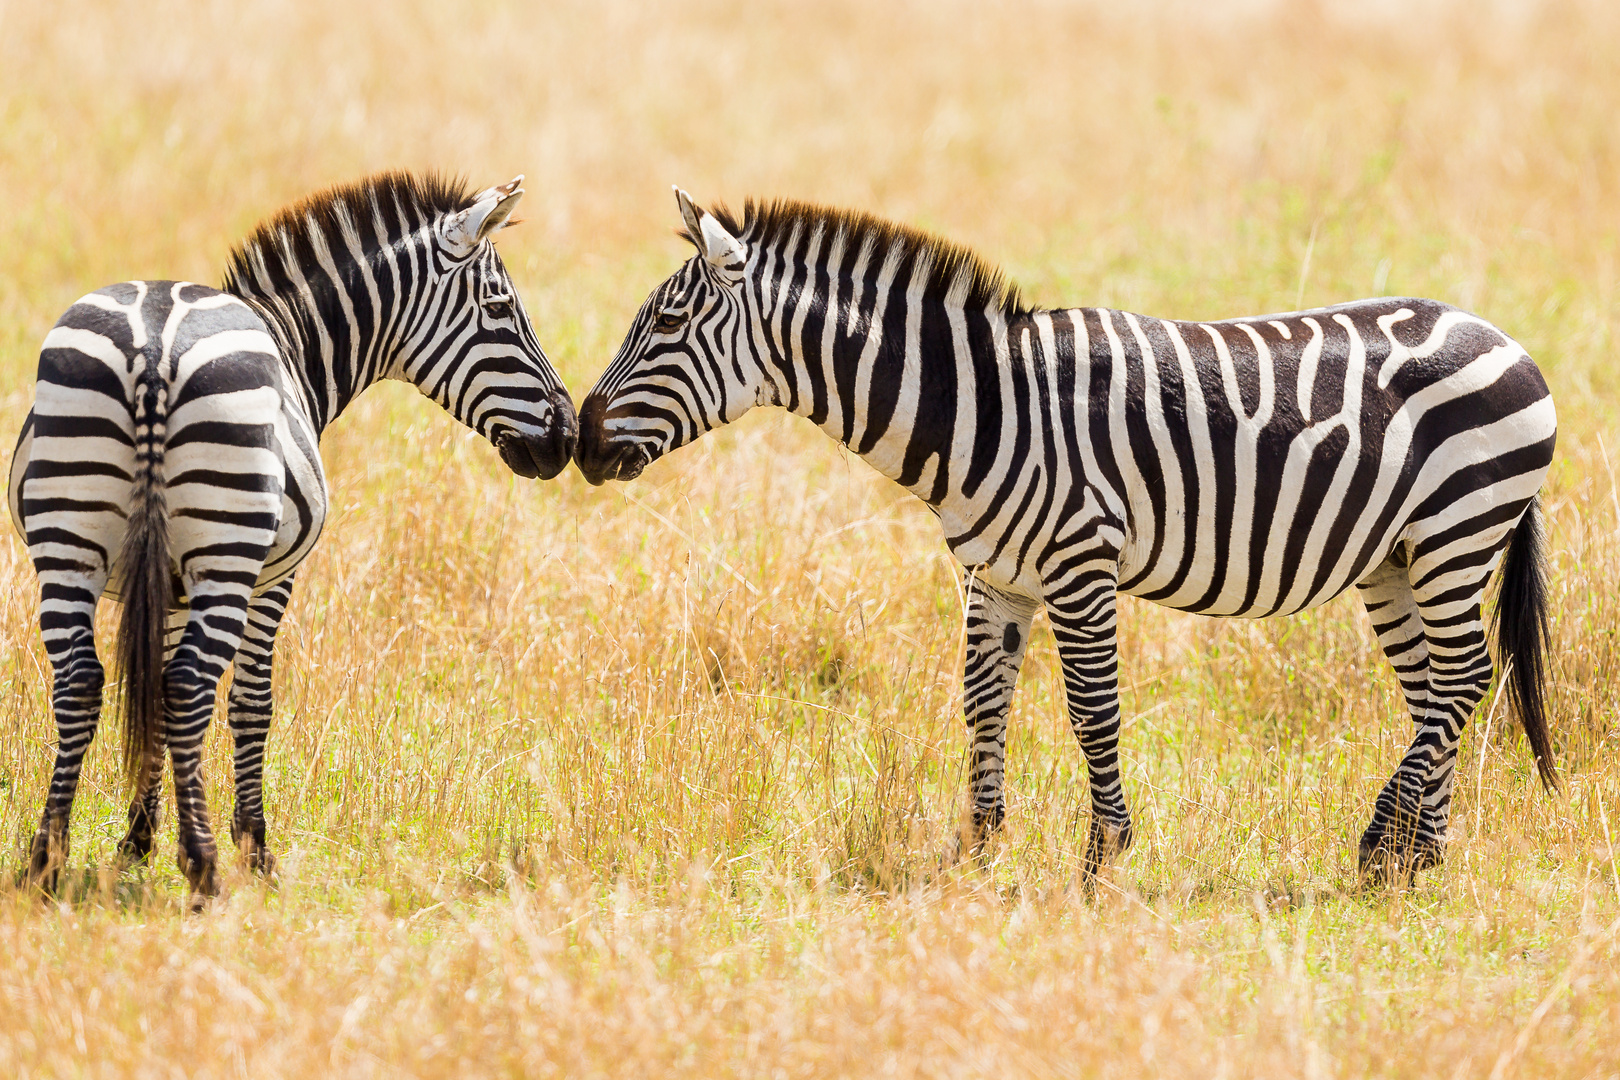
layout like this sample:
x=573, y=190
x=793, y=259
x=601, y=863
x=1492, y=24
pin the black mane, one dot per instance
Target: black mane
x=951, y=266
x=292, y=229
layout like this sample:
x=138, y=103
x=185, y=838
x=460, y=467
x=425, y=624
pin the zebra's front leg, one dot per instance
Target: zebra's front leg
x=67, y=612
x=997, y=634
x=250, y=713
x=1083, y=621
x=145, y=810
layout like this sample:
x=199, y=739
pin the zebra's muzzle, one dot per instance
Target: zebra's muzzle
x=601, y=457
x=542, y=456
x=615, y=461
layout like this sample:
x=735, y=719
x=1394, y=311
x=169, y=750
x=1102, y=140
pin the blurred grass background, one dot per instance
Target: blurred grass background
x=653, y=779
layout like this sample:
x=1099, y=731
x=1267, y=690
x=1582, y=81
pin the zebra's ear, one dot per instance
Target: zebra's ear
x=466, y=229
x=724, y=253
x=691, y=217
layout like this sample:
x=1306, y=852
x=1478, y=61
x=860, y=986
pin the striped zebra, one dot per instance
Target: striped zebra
x=170, y=461
x=1250, y=467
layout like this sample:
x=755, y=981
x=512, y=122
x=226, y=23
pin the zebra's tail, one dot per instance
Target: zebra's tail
x=147, y=592
x=1523, y=635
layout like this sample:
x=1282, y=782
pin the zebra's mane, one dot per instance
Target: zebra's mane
x=288, y=238
x=953, y=270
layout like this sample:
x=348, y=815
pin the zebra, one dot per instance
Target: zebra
x=170, y=461
x=1250, y=467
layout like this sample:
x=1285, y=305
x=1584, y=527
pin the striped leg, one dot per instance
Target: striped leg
x=225, y=504
x=145, y=812
x=997, y=633
x=1408, y=828
x=67, y=614
x=208, y=644
x=1083, y=621
x=1393, y=608
x=1387, y=594
x=250, y=711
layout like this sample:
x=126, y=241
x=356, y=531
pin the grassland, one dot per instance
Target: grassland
x=652, y=780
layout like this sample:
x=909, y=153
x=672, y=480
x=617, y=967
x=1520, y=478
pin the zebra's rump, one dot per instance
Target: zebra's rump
x=216, y=426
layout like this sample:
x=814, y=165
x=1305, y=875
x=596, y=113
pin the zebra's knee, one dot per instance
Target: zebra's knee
x=80, y=680
x=185, y=682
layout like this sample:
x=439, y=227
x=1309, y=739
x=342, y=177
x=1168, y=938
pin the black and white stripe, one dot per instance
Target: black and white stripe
x=1248, y=467
x=170, y=460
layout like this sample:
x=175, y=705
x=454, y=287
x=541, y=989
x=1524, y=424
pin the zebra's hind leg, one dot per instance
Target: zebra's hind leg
x=250, y=712
x=1392, y=607
x=1408, y=829
x=67, y=612
x=1084, y=619
x=145, y=810
x=997, y=634
x=213, y=632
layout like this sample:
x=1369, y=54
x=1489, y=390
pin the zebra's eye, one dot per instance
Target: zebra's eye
x=499, y=307
x=668, y=320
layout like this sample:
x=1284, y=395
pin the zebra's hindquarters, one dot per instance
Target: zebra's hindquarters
x=150, y=469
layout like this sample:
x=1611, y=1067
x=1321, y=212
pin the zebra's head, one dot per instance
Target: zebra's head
x=687, y=365
x=469, y=346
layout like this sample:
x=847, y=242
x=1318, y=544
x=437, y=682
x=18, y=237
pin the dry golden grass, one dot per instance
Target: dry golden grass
x=651, y=780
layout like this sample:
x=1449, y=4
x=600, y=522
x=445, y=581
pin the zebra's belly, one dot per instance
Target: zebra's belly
x=1246, y=571
x=1251, y=606
x=303, y=497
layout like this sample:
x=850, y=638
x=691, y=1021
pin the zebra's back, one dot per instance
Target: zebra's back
x=1261, y=466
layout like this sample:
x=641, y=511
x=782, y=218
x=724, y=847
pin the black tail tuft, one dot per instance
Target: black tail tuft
x=147, y=593
x=1523, y=635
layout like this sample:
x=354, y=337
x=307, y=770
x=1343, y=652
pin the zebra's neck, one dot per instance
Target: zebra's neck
x=333, y=344
x=882, y=358
x=337, y=277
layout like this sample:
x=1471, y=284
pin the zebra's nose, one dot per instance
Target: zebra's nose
x=564, y=436
x=596, y=460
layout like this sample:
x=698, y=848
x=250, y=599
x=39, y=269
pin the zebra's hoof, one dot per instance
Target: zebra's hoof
x=973, y=839
x=260, y=860
x=46, y=857
x=1385, y=861
x=132, y=852
x=201, y=872
x=136, y=846
x=249, y=840
x=1105, y=841
x=983, y=825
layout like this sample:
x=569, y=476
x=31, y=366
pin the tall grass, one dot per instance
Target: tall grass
x=654, y=779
